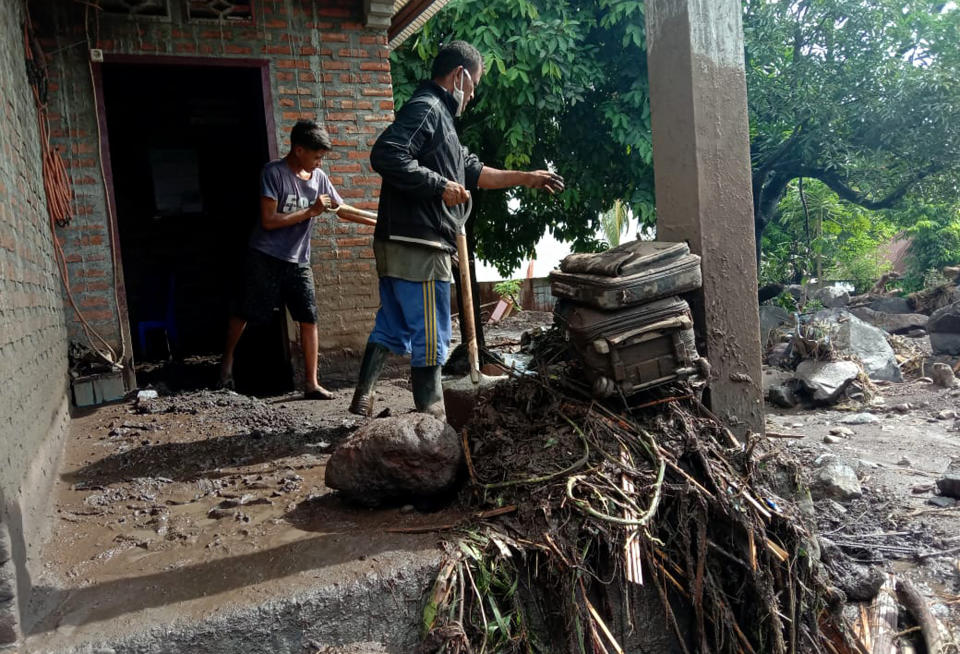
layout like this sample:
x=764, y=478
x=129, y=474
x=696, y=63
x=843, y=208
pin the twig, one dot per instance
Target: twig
x=933, y=555
x=468, y=456
x=917, y=606
x=774, y=434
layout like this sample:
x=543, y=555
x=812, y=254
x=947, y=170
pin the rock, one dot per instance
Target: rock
x=942, y=502
x=903, y=407
x=835, y=479
x=916, y=333
x=891, y=304
x=892, y=323
x=947, y=414
x=390, y=459
x=944, y=329
x=771, y=317
x=860, y=583
x=859, y=419
x=949, y=484
x=832, y=440
x=841, y=431
x=774, y=377
x=904, y=461
x=826, y=380
x=147, y=395
x=854, y=339
x=943, y=375
x=832, y=297
x=782, y=396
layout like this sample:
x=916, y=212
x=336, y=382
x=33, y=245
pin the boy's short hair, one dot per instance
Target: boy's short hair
x=308, y=134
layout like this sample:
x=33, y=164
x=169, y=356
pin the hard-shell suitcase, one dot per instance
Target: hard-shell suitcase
x=634, y=273
x=635, y=348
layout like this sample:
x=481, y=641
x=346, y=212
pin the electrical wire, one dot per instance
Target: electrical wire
x=56, y=184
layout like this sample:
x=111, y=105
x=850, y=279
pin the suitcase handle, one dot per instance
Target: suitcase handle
x=682, y=322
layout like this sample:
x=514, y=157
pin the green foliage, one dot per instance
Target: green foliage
x=817, y=235
x=509, y=290
x=565, y=86
x=934, y=230
x=615, y=222
x=861, y=94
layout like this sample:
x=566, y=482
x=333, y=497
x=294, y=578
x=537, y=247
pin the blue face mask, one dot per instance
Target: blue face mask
x=458, y=93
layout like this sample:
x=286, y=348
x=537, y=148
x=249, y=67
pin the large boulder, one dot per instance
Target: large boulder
x=944, y=329
x=892, y=323
x=391, y=460
x=832, y=297
x=772, y=317
x=825, y=381
x=852, y=338
x=891, y=304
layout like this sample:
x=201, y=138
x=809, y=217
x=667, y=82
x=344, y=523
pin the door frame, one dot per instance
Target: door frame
x=100, y=109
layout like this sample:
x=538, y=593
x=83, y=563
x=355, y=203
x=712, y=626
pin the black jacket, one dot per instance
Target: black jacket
x=416, y=156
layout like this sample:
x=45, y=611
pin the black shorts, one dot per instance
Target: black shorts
x=270, y=283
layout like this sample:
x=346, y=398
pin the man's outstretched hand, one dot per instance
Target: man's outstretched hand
x=548, y=181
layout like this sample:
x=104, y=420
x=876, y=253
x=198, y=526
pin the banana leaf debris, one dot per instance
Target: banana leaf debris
x=625, y=526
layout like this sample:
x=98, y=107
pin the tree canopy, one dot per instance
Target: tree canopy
x=862, y=96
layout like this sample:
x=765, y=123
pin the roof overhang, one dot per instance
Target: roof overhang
x=400, y=18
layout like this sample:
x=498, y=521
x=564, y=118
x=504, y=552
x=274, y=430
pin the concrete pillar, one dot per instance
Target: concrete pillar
x=701, y=156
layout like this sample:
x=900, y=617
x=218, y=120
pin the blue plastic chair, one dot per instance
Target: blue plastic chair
x=168, y=323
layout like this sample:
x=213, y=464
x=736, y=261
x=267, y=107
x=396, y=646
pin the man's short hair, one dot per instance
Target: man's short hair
x=308, y=134
x=457, y=53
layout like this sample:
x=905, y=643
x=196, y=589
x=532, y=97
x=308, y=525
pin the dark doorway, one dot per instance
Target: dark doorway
x=186, y=147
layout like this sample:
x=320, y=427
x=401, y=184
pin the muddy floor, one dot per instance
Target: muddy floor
x=200, y=493
x=899, y=525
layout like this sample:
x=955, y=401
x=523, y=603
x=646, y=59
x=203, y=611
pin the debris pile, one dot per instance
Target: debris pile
x=602, y=511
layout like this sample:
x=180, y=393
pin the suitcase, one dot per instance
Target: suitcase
x=635, y=348
x=634, y=273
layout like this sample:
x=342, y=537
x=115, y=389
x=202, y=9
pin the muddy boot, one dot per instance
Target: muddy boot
x=428, y=391
x=374, y=358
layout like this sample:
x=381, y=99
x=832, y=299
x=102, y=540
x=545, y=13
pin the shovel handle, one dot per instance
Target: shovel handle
x=469, y=326
x=466, y=292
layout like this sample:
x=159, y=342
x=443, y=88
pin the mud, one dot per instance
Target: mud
x=893, y=527
x=172, y=500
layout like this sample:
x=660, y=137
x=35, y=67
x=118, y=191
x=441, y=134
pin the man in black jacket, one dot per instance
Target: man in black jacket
x=426, y=174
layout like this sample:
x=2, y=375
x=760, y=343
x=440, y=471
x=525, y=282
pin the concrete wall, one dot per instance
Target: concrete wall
x=33, y=335
x=323, y=64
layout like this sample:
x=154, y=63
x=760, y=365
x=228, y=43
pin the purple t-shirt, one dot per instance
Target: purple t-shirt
x=279, y=183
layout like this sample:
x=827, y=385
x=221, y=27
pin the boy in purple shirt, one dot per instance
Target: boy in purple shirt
x=293, y=192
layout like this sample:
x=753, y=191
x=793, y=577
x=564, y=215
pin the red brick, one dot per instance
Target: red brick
x=352, y=242
x=277, y=49
x=375, y=65
x=342, y=115
x=233, y=49
x=346, y=168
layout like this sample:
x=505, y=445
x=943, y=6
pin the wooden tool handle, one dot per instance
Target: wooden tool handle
x=354, y=215
x=466, y=291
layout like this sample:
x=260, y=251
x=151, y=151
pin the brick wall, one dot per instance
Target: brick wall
x=323, y=64
x=33, y=337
